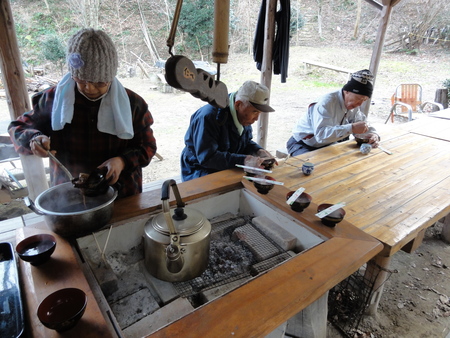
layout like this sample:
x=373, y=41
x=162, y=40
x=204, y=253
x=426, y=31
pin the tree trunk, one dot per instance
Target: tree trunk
x=441, y=97
x=358, y=18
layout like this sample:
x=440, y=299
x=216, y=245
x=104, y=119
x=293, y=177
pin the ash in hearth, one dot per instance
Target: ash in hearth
x=227, y=260
x=231, y=257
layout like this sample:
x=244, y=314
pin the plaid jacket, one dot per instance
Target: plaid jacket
x=80, y=146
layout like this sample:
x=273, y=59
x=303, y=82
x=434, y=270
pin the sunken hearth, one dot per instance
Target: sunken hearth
x=248, y=238
x=239, y=251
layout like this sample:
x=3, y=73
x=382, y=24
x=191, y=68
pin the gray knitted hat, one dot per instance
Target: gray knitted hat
x=92, y=56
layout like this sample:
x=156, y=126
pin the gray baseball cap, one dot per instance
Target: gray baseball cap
x=255, y=93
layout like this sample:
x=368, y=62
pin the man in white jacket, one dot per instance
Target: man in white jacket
x=334, y=117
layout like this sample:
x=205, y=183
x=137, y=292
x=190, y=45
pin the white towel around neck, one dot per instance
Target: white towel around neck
x=114, y=115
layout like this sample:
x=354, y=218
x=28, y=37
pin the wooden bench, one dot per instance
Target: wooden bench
x=309, y=63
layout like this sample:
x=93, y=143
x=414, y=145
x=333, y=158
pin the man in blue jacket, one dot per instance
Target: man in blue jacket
x=219, y=138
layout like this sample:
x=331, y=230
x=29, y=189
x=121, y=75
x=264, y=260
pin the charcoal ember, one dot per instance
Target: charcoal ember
x=226, y=259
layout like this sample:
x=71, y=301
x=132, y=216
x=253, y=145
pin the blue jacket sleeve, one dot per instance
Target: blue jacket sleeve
x=218, y=146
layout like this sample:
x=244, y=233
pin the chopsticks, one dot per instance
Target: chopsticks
x=329, y=210
x=102, y=252
x=294, y=196
x=263, y=180
x=385, y=150
x=253, y=168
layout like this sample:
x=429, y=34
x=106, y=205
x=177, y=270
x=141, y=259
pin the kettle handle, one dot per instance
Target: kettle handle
x=165, y=194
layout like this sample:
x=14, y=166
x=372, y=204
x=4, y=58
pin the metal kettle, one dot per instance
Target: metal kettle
x=176, y=242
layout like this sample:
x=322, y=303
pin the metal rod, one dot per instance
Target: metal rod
x=53, y=157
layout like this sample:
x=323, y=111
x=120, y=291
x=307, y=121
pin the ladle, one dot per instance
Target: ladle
x=53, y=157
x=93, y=185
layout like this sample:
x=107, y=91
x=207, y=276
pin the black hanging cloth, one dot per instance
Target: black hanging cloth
x=280, y=55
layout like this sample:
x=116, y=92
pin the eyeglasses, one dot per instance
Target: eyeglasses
x=98, y=85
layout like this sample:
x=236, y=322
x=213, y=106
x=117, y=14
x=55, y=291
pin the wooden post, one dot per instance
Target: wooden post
x=446, y=229
x=441, y=97
x=266, y=67
x=379, y=269
x=17, y=94
x=378, y=48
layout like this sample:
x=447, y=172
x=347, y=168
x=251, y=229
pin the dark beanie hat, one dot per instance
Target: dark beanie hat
x=360, y=83
x=92, y=56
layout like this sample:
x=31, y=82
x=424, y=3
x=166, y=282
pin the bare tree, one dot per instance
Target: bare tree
x=89, y=11
x=417, y=20
x=147, y=37
x=358, y=18
x=319, y=17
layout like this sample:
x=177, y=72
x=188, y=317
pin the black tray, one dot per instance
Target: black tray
x=11, y=307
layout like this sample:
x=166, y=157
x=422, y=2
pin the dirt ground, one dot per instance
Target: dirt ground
x=415, y=302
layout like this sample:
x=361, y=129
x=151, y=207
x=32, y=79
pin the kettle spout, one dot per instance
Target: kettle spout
x=174, y=260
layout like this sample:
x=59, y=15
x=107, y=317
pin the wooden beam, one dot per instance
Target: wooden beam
x=17, y=94
x=378, y=48
x=266, y=67
x=375, y=4
x=12, y=70
x=391, y=3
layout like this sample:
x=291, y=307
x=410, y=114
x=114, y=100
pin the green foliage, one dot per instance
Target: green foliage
x=320, y=84
x=197, y=23
x=297, y=21
x=53, y=49
x=346, y=5
x=397, y=66
x=31, y=33
x=414, y=51
x=446, y=84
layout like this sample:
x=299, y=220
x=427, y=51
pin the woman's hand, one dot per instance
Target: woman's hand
x=39, y=145
x=115, y=166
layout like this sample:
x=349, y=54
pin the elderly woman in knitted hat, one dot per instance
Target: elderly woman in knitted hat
x=334, y=117
x=89, y=120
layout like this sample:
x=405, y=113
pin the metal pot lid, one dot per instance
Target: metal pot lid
x=191, y=224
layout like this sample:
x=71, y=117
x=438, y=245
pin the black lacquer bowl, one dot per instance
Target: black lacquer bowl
x=332, y=219
x=62, y=309
x=36, y=249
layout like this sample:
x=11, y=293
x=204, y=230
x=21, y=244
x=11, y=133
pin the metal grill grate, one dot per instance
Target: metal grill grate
x=348, y=301
x=232, y=257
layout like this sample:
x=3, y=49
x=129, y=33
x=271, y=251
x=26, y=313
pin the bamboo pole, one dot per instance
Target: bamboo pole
x=17, y=95
x=221, y=31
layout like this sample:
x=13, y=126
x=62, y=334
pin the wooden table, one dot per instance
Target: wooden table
x=394, y=197
x=254, y=309
x=436, y=125
x=443, y=114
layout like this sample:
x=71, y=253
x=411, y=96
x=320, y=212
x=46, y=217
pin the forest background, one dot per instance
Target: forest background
x=140, y=28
